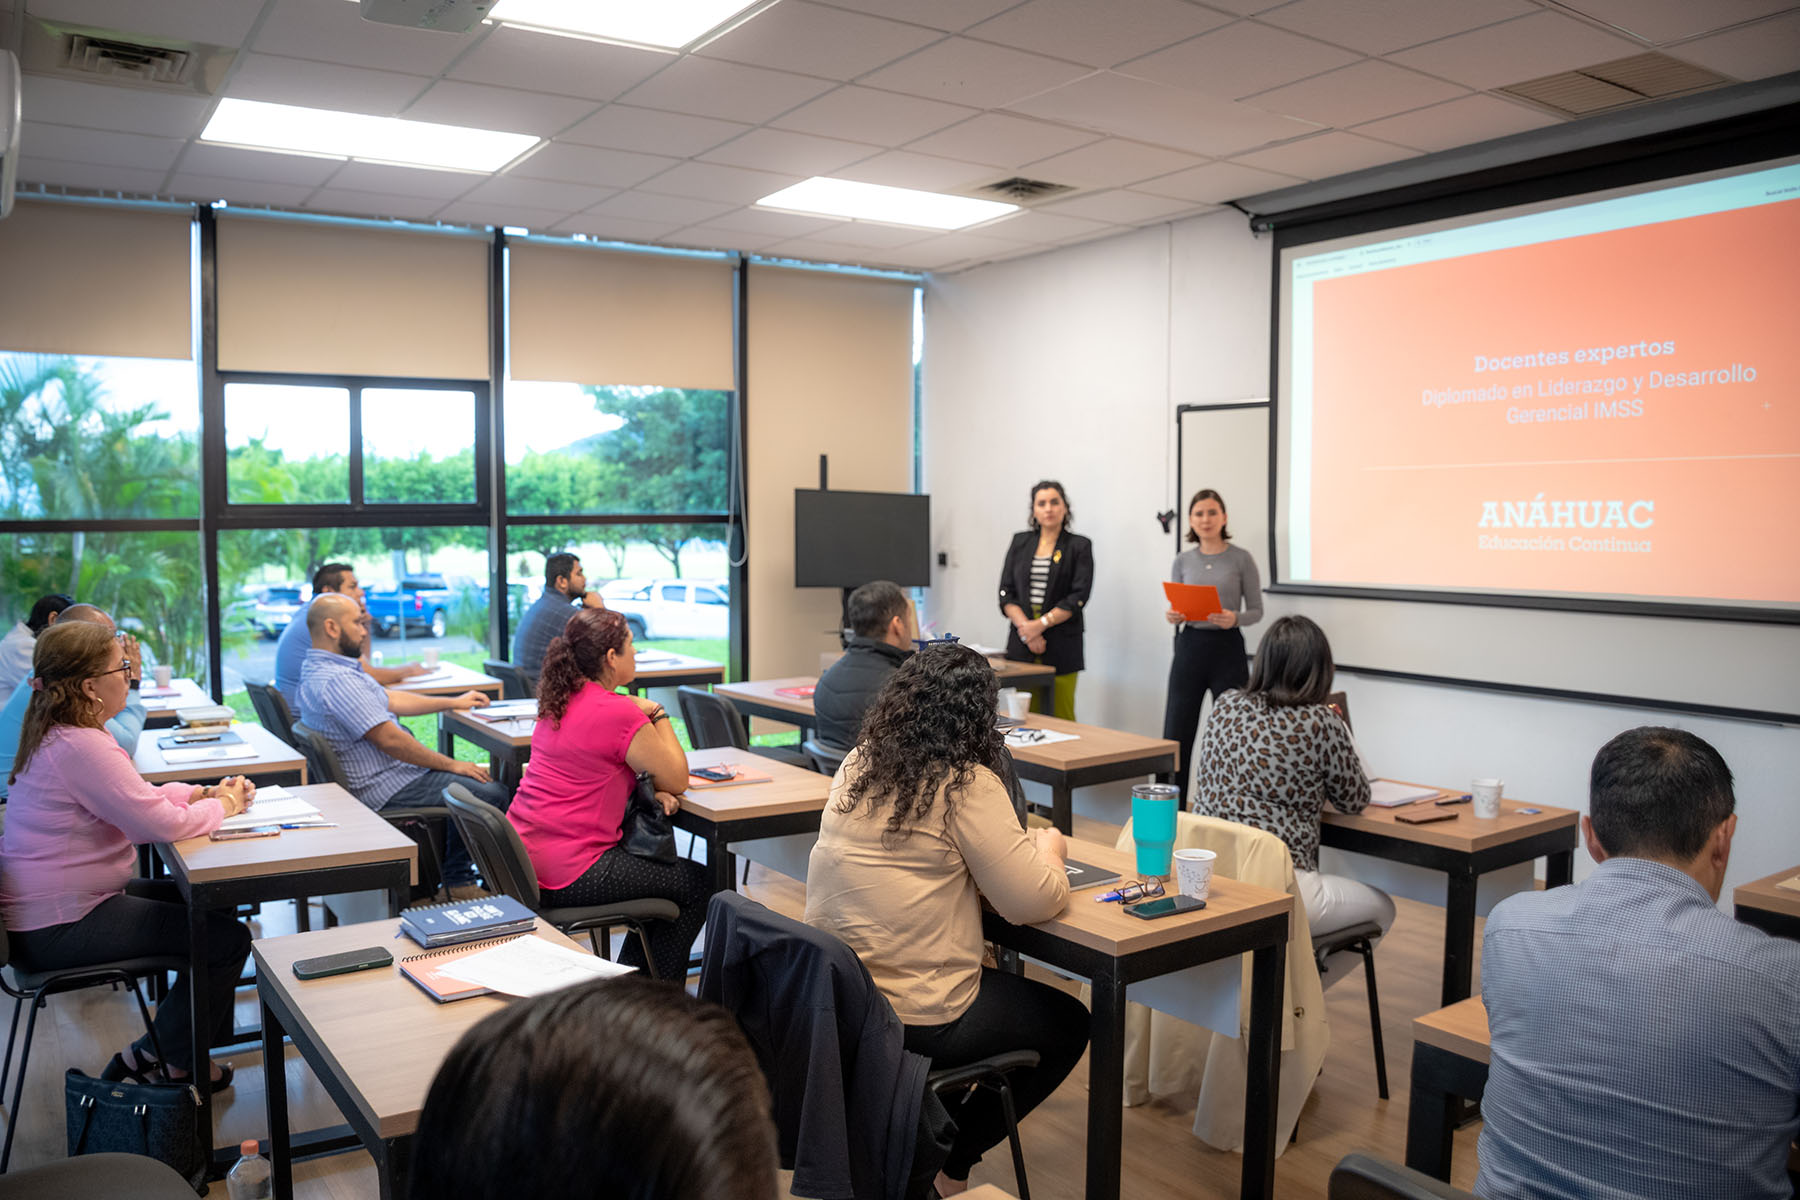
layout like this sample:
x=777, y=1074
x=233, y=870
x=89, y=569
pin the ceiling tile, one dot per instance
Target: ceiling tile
x=1380, y=26
x=794, y=153
x=322, y=85
x=50, y=172
x=1239, y=60
x=652, y=131
x=950, y=15
x=959, y=247
x=264, y=166
x=1756, y=51
x=1046, y=227
x=351, y=202
x=1002, y=140
x=1215, y=183
x=537, y=193
x=125, y=110
x=1359, y=92
x=900, y=168
x=962, y=71
x=709, y=236
x=886, y=118
x=207, y=188
x=66, y=143
x=712, y=181
x=452, y=102
x=814, y=40
x=214, y=22
x=1121, y=207
x=674, y=211
x=590, y=165
x=1167, y=116
x=836, y=253
x=1112, y=162
x=872, y=233
x=1099, y=35
x=1324, y=155
x=498, y=215
x=771, y=222
x=1458, y=123
x=707, y=87
x=1244, y=8
x=1512, y=51
x=405, y=181
x=615, y=229
x=1672, y=20
x=543, y=62
x=336, y=32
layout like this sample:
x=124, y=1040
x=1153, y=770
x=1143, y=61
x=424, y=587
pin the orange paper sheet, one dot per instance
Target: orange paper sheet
x=1194, y=601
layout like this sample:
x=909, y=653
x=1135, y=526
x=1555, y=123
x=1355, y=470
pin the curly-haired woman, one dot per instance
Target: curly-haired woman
x=919, y=827
x=588, y=747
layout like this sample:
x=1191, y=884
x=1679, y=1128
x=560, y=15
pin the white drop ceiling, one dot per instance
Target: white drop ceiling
x=1151, y=110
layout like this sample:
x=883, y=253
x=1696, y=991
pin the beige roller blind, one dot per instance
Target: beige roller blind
x=346, y=300
x=830, y=373
x=591, y=316
x=84, y=279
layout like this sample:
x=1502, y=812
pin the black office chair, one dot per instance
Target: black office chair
x=26, y=984
x=713, y=721
x=272, y=710
x=1365, y=1177
x=1359, y=939
x=500, y=854
x=98, y=1177
x=824, y=757
x=425, y=826
x=514, y=683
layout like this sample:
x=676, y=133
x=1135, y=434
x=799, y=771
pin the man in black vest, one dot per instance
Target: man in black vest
x=883, y=626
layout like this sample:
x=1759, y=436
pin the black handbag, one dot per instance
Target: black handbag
x=647, y=831
x=157, y=1120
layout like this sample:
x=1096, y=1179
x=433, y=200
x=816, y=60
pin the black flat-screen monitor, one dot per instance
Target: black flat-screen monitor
x=847, y=539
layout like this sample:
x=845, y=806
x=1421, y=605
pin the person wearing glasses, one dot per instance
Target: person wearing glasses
x=918, y=830
x=77, y=807
x=125, y=728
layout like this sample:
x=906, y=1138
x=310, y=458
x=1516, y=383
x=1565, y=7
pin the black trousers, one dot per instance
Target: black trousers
x=1206, y=660
x=620, y=875
x=149, y=918
x=1010, y=1012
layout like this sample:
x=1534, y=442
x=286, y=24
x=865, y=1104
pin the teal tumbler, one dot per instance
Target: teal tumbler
x=1153, y=807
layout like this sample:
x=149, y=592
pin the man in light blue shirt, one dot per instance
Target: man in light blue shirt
x=291, y=647
x=1645, y=1045
x=125, y=727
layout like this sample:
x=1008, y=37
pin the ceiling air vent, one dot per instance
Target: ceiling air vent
x=117, y=58
x=1020, y=190
x=1613, y=85
x=128, y=60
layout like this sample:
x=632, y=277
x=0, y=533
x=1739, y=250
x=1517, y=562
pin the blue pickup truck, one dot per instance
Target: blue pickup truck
x=424, y=603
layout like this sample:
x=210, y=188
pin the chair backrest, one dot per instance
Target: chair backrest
x=712, y=720
x=272, y=710
x=320, y=757
x=514, y=683
x=494, y=844
x=1365, y=1177
x=825, y=757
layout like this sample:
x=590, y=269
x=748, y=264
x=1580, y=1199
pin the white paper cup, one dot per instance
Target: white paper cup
x=1485, y=794
x=1001, y=705
x=431, y=658
x=1018, y=704
x=162, y=673
x=1193, y=872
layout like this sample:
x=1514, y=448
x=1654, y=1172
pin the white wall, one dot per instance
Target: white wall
x=1070, y=365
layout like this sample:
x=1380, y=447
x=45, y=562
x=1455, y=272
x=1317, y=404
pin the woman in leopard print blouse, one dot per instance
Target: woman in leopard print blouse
x=1274, y=753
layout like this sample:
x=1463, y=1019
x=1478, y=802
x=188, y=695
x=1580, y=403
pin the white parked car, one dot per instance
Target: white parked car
x=672, y=608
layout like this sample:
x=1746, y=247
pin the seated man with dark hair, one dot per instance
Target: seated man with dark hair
x=565, y=586
x=21, y=640
x=882, y=627
x=1644, y=1043
x=334, y=578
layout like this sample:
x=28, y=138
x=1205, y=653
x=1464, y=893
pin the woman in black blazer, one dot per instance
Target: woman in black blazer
x=1043, y=588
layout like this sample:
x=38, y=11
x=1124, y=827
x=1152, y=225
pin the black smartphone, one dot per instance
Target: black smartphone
x=342, y=964
x=1168, y=906
x=716, y=774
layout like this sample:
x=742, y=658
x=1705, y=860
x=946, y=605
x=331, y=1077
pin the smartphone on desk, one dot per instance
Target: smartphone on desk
x=716, y=774
x=254, y=831
x=343, y=963
x=1168, y=906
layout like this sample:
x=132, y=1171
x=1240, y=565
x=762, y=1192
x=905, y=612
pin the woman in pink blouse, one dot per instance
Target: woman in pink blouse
x=586, y=751
x=75, y=809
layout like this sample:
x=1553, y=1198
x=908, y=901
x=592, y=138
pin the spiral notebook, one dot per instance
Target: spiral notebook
x=457, y=921
x=427, y=970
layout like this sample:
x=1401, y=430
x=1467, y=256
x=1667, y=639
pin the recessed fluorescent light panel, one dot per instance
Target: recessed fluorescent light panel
x=891, y=205
x=292, y=130
x=660, y=24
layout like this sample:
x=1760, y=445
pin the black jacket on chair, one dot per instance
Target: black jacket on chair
x=1071, y=579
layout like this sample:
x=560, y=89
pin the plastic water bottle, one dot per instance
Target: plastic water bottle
x=250, y=1178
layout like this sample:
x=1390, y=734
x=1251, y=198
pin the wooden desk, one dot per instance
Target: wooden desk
x=665, y=668
x=1111, y=949
x=160, y=706
x=372, y=1037
x=1450, y=1065
x=789, y=804
x=506, y=741
x=449, y=679
x=1464, y=849
x=760, y=698
x=364, y=852
x=988, y=1191
x=275, y=760
x=1770, y=908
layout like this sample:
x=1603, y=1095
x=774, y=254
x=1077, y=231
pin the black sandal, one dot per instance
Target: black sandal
x=150, y=1071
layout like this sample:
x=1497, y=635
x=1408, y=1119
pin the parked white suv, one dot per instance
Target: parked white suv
x=672, y=608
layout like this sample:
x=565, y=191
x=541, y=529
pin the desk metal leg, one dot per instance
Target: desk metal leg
x=1441, y=1082
x=1459, y=937
x=1268, y=966
x=200, y=1010
x=393, y=1166
x=1062, y=808
x=1106, y=1086
x=1559, y=869
x=281, y=1155
x=723, y=864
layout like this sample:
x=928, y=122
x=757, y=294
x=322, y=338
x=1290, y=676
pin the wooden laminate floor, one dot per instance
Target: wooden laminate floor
x=1161, y=1156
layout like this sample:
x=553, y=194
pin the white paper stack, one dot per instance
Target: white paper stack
x=275, y=806
x=530, y=966
x=195, y=754
x=1025, y=737
x=1385, y=793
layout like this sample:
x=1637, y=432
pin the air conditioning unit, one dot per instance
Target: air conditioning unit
x=446, y=16
x=10, y=125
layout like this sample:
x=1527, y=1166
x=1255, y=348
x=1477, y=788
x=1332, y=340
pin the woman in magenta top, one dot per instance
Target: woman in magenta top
x=588, y=747
x=76, y=807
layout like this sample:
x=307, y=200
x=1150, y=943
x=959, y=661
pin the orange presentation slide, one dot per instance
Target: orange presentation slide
x=1613, y=414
